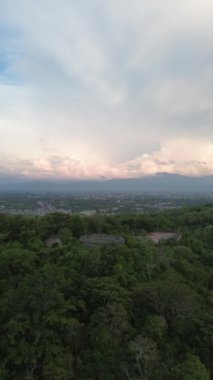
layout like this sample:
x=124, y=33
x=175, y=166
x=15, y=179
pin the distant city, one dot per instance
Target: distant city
x=91, y=203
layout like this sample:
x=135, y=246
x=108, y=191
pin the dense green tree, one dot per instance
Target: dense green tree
x=193, y=369
x=137, y=310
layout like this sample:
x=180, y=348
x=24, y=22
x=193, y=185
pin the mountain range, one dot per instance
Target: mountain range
x=161, y=182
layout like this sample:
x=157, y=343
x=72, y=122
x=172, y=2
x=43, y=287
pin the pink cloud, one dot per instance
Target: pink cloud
x=185, y=157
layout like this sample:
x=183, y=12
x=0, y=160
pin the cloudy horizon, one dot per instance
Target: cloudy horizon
x=92, y=89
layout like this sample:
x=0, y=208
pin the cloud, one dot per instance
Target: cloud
x=192, y=161
x=184, y=156
x=106, y=87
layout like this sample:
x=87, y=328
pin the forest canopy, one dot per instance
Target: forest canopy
x=134, y=311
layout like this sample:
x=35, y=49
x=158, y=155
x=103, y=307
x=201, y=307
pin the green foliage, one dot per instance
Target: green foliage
x=193, y=369
x=133, y=311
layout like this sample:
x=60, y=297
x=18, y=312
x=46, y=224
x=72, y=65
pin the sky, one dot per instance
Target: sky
x=106, y=89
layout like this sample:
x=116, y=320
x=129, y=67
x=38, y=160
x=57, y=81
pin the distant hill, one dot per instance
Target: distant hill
x=156, y=183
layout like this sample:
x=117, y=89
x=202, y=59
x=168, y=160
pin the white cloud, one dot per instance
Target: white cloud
x=105, y=82
x=187, y=157
x=183, y=156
